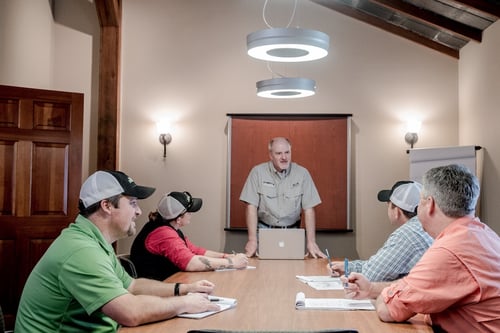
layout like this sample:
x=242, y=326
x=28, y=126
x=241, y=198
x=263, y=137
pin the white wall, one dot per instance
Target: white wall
x=26, y=50
x=479, y=77
x=45, y=55
x=187, y=60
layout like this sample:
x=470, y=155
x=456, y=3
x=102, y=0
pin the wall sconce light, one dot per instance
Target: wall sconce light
x=411, y=136
x=165, y=138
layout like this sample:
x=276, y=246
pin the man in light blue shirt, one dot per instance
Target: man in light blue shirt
x=405, y=245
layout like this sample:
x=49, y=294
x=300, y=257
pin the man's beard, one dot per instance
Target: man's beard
x=131, y=230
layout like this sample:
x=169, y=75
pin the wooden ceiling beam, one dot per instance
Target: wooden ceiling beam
x=109, y=12
x=491, y=7
x=379, y=23
x=436, y=20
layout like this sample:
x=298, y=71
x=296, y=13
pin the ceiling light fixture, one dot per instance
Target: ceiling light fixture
x=286, y=87
x=288, y=44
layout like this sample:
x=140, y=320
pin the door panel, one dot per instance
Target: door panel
x=6, y=177
x=40, y=178
x=49, y=184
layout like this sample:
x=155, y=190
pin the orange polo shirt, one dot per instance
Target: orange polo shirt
x=456, y=282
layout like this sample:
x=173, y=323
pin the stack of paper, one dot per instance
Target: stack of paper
x=234, y=269
x=303, y=303
x=322, y=282
x=224, y=303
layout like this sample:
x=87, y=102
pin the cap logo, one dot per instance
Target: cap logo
x=189, y=200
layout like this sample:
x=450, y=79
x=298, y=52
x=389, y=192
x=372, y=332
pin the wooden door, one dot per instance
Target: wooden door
x=40, y=178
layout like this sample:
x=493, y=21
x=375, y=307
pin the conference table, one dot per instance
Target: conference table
x=266, y=301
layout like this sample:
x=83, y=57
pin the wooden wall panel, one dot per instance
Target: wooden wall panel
x=319, y=142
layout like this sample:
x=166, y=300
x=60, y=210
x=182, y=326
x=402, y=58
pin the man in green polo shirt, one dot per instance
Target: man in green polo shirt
x=80, y=286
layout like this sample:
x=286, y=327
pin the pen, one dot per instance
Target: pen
x=329, y=258
x=346, y=271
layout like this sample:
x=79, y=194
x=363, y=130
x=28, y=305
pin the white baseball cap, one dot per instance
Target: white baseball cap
x=174, y=204
x=405, y=194
x=105, y=184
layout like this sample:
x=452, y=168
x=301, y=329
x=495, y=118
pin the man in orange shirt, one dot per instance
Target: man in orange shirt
x=456, y=283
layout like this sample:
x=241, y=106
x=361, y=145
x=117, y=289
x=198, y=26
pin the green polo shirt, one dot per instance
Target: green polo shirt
x=77, y=275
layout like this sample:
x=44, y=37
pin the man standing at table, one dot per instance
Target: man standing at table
x=456, y=283
x=276, y=193
x=80, y=286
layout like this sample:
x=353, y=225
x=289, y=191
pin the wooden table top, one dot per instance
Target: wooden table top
x=266, y=301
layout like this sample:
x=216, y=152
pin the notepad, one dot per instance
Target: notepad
x=303, y=303
x=321, y=282
x=224, y=303
x=234, y=269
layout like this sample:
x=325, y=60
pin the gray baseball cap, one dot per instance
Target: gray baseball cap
x=105, y=184
x=405, y=194
x=174, y=204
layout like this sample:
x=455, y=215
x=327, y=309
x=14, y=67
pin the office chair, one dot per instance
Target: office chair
x=2, y=323
x=128, y=264
x=286, y=331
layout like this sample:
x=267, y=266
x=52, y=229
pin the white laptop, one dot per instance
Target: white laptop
x=281, y=243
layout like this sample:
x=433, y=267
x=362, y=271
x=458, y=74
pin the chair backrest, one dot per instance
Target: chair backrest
x=282, y=331
x=2, y=323
x=128, y=264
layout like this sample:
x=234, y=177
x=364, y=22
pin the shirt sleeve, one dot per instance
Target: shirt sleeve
x=391, y=261
x=439, y=280
x=198, y=250
x=310, y=196
x=250, y=191
x=166, y=242
x=93, y=283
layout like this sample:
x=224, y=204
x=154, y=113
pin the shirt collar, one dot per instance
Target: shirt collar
x=85, y=226
x=281, y=174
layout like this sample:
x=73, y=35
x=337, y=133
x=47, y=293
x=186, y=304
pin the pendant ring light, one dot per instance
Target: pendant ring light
x=286, y=87
x=288, y=44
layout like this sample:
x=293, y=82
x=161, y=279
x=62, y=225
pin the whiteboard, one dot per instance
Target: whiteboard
x=423, y=159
